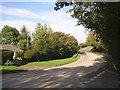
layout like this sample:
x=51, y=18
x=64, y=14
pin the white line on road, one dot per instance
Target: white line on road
x=94, y=77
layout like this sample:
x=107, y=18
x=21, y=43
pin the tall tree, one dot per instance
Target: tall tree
x=24, y=42
x=103, y=18
x=10, y=35
x=41, y=40
x=63, y=45
x=53, y=45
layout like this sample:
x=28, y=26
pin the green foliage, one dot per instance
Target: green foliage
x=103, y=18
x=63, y=45
x=19, y=59
x=8, y=63
x=52, y=45
x=30, y=54
x=94, y=40
x=57, y=62
x=46, y=44
x=19, y=55
x=9, y=69
x=24, y=42
x=41, y=41
x=1, y=38
x=24, y=32
x=6, y=56
x=10, y=35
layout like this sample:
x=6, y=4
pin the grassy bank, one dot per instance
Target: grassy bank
x=57, y=62
x=10, y=69
x=51, y=63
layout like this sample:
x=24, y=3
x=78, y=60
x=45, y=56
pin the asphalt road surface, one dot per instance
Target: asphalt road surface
x=60, y=78
x=71, y=75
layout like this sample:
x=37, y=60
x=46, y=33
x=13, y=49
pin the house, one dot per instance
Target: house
x=10, y=47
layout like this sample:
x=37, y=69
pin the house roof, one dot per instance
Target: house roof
x=9, y=47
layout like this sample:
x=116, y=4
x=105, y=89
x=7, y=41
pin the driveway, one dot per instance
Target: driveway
x=76, y=74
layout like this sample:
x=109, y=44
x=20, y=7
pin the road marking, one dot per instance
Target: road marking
x=98, y=75
x=94, y=77
x=37, y=77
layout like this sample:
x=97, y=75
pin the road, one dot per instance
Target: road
x=76, y=74
x=86, y=49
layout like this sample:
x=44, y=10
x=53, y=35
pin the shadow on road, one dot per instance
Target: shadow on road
x=56, y=78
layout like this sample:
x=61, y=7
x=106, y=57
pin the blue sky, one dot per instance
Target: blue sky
x=17, y=14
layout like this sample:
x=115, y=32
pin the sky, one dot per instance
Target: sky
x=17, y=14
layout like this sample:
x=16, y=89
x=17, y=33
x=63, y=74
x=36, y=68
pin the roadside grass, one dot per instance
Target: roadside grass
x=51, y=63
x=9, y=69
x=56, y=62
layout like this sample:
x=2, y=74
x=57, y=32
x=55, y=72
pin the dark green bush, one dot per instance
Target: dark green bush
x=19, y=54
x=8, y=63
x=6, y=55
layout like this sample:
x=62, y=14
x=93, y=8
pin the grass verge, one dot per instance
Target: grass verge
x=57, y=62
x=10, y=69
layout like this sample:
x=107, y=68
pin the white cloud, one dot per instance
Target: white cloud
x=58, y=20
x=18, y=12
x=59, y=17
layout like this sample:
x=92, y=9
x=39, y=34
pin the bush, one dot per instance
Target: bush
x=56, y=62
x=19, y=57
x=19, y=54
x=29, y=54
x=6, y=55
x=8, y=63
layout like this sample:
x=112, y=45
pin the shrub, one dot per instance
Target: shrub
x=19, y=57
x=19, y=54
x=29, y=54
x=8, y=63
x=6, y=55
